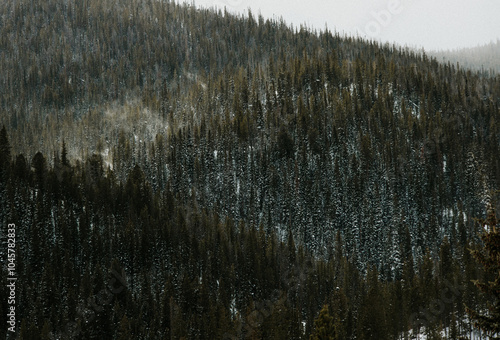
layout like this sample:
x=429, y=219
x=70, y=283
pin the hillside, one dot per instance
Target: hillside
x=237, y=173
x=481, y=58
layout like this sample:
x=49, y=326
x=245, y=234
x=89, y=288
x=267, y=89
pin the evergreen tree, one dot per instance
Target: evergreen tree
x=324, y=326
x=64, y=154
x=5, y=158
x=489, y=258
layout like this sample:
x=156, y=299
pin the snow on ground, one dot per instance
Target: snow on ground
x=474, y=335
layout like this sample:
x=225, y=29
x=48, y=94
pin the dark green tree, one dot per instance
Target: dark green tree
x=324, y=326
x=489, y=258
x=5, y=156
x=64, y=154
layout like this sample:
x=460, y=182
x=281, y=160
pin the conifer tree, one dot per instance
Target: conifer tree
x=489, y=258
x=324, y=326
x=64, y=154
x=4, y=153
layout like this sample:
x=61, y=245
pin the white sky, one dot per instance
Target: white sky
x=432, y=24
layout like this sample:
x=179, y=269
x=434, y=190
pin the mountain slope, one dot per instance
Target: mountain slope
x=481, y=58
x=201, y=148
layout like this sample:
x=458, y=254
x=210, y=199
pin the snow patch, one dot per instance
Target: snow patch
x=447, y=212
x=232, y=308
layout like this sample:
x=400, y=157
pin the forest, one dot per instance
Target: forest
x=483, y=58
x=184, y=173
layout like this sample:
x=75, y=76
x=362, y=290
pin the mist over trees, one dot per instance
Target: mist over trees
x=246, y=179
x=481, y=58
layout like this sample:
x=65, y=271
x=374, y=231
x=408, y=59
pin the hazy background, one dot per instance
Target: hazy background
x=432, y=24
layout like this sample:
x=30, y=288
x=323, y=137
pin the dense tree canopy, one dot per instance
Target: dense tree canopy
x=236, y=175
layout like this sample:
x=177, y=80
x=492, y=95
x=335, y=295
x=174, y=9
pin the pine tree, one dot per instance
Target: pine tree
x=489, y=258
x=123, y=331
x=4, y=153
x=372, y=320
x=64, y=154
x=324, y=326
x=39, y=163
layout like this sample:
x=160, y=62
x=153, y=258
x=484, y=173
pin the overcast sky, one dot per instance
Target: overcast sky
x=432, y=24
